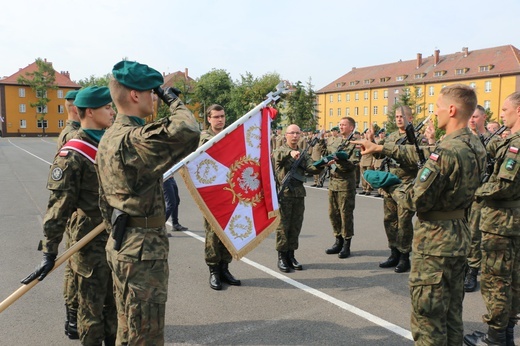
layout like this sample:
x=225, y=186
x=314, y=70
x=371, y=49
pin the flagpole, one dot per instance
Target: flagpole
x=272, y=96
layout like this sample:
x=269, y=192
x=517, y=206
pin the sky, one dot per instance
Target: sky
x=307, y=41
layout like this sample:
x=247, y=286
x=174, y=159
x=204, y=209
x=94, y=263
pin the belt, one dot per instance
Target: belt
x=502, y=204
x=442, y=215
x=92, y=213
x=146, y=222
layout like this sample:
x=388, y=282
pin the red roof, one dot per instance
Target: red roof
x=503, y=60
x=62, y=79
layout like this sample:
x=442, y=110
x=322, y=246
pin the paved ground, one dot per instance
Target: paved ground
x=332, y=301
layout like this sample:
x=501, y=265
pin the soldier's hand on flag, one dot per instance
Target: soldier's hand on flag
x=42, y=270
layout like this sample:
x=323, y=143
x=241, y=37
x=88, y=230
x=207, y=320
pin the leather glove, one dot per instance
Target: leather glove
x=168, y=95
x=42, y=270
x=341, y=155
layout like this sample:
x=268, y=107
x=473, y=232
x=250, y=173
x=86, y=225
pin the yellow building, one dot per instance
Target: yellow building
x=368, y=94
x=18, y=118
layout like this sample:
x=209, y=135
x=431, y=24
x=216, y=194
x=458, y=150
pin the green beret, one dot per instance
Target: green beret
x=93, y=97
x=323, y=161
x=378, y=179
x=342, y=155
x=71, y=95
x=335, y=128
x=136, y=76
x=278, y=127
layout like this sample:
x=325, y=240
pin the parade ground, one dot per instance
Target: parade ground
x=331, y=302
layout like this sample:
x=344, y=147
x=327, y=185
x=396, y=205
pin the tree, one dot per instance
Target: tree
x=40, y=81
x=301, y=106
x=213, y=87
x=95, y=81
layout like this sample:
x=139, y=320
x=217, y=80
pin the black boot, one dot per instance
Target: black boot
x=404, y=263
x=510, y=333
x=282, y=262
x=66, y=320
x=493, y=337
x=293, y=263
x=336, y=247
x=470, y=281
x=110, y=340
x=392, y=260
x=227, y=276
x=214, y=278
x=72, y=328
x=345, y=251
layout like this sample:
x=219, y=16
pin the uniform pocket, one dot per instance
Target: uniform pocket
x=426, y=292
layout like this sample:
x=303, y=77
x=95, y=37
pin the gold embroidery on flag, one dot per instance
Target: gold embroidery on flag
x=206, y=171
x=243, y=178
x=239, y=229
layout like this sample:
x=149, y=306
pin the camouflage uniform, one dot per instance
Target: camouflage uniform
x=342, y=189
x=441, y=194
x=292, y=205
x=500, y=226
x=68, y=132
x=366, y=163
x=131, y=161
x=73, y=204
x=214, y=250
x=316, y=154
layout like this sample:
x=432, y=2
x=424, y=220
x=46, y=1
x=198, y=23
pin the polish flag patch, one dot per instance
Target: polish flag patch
x=513, y=150
x=434, y=157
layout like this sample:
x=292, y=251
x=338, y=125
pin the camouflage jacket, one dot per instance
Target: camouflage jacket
x=446, y=183
x=206, y=135
x=131, y=161
x=283, y=162
x=502, y=187
x=68, y=132
x=73, y=185
x=343, y=168
x=405, y=172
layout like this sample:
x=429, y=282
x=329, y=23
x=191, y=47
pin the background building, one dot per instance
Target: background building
x=368, y=94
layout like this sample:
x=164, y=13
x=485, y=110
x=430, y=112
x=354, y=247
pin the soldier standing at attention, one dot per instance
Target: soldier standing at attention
x=73, y=122
x=216, y=255
x=441, y=195
x=500, y=226
x=132, y=159
x=74, y=204
x=292, y=205
x=342, y=189
x=366, y=163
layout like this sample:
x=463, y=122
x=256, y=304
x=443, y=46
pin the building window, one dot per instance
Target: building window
x=331, y=112
x=365, y=125
x=418, y=109
x=61, y=109
x=347, y=96
x=375, y=110
x=385, y=94
x=418, y=92
x=430, y=108
x=365, y=110
x=21, y=92
x=487, y=104
x=352, y=83
x=60, y=94
x=22, y=108
x=439, y=73
x=339, y=97
x=347, y=111
x=431, y=91
x=419, y=75
x=365, y=95
x=487, y=86
x=485, y=68
x=356, y=110
x=41, y=109
x=331, y=98
x=375, y=95
x=60, y=124
x=339, y=112
x=385, y=110
x=41, y=93
x=396, y=91
x=23, y=124
x=460, y=71
x=356, y=96
x=42, y=123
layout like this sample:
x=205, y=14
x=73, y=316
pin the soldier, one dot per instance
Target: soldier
x=216, y=255
x=442, y=192
x=131, y=161
x=381, y=135
x=342, y=189
x=277, y=140
x=292, y=205
x=73, y=122
x=74, y=194
x=366, y=163
x=500, y=226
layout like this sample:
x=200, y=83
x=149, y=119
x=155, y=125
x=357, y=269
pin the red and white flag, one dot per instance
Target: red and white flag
x=232, y=182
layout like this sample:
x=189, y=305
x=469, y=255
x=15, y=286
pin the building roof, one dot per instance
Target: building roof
x=171, y=78
x=62, y=78
x=464, y=65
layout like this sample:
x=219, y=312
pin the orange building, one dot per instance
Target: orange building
x=18, y=118
x=368, y=94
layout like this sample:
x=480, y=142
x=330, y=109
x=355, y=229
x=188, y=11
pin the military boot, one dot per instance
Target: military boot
x=392, y=260
x=510, y=333
x=493, y=338
x=214, y=278
x=345, y=251
x=470, y=281
x=336, y=247
x=293, y=263
x=227, y=276
x=66, y=320
x=72, y=328
x=404, y=263
x=283, y=264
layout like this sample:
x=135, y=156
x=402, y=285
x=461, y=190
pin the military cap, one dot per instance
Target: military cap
x=71, y=95
x=136, y=76
x=335, y=128
x=378, y=179
x=342, y=155
x=93, y=97
x=278, y=127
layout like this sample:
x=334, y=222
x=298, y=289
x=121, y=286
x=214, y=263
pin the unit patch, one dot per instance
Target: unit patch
x=425, y=174
x=57, y=174
x=510, y=164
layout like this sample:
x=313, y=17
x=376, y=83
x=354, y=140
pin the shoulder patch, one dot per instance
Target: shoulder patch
x=63, y=153
x=57, y=174
x=425, y=174
x=434, y=157
x=513, y=150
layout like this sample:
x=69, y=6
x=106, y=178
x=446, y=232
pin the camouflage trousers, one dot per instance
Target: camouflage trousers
x=341, y=212
x=500, y=279
x=291, y=221
x=214, y=250
x=437, y=290
x=141, y=290
x=364, y=184
x=475, y=253
x=69, y=282
x=398, y=225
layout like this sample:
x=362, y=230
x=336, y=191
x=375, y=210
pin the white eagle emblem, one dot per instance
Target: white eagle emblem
x=249, y=180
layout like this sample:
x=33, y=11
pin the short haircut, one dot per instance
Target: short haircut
x=350, y=120
x=214, y=107
x=481, y=109
x=515, y=98
x=464, y=96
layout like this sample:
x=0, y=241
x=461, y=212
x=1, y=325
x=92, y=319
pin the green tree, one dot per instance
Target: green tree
x=95, y=81
x=301, y=106
x=40, y=81
x=213, y=87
